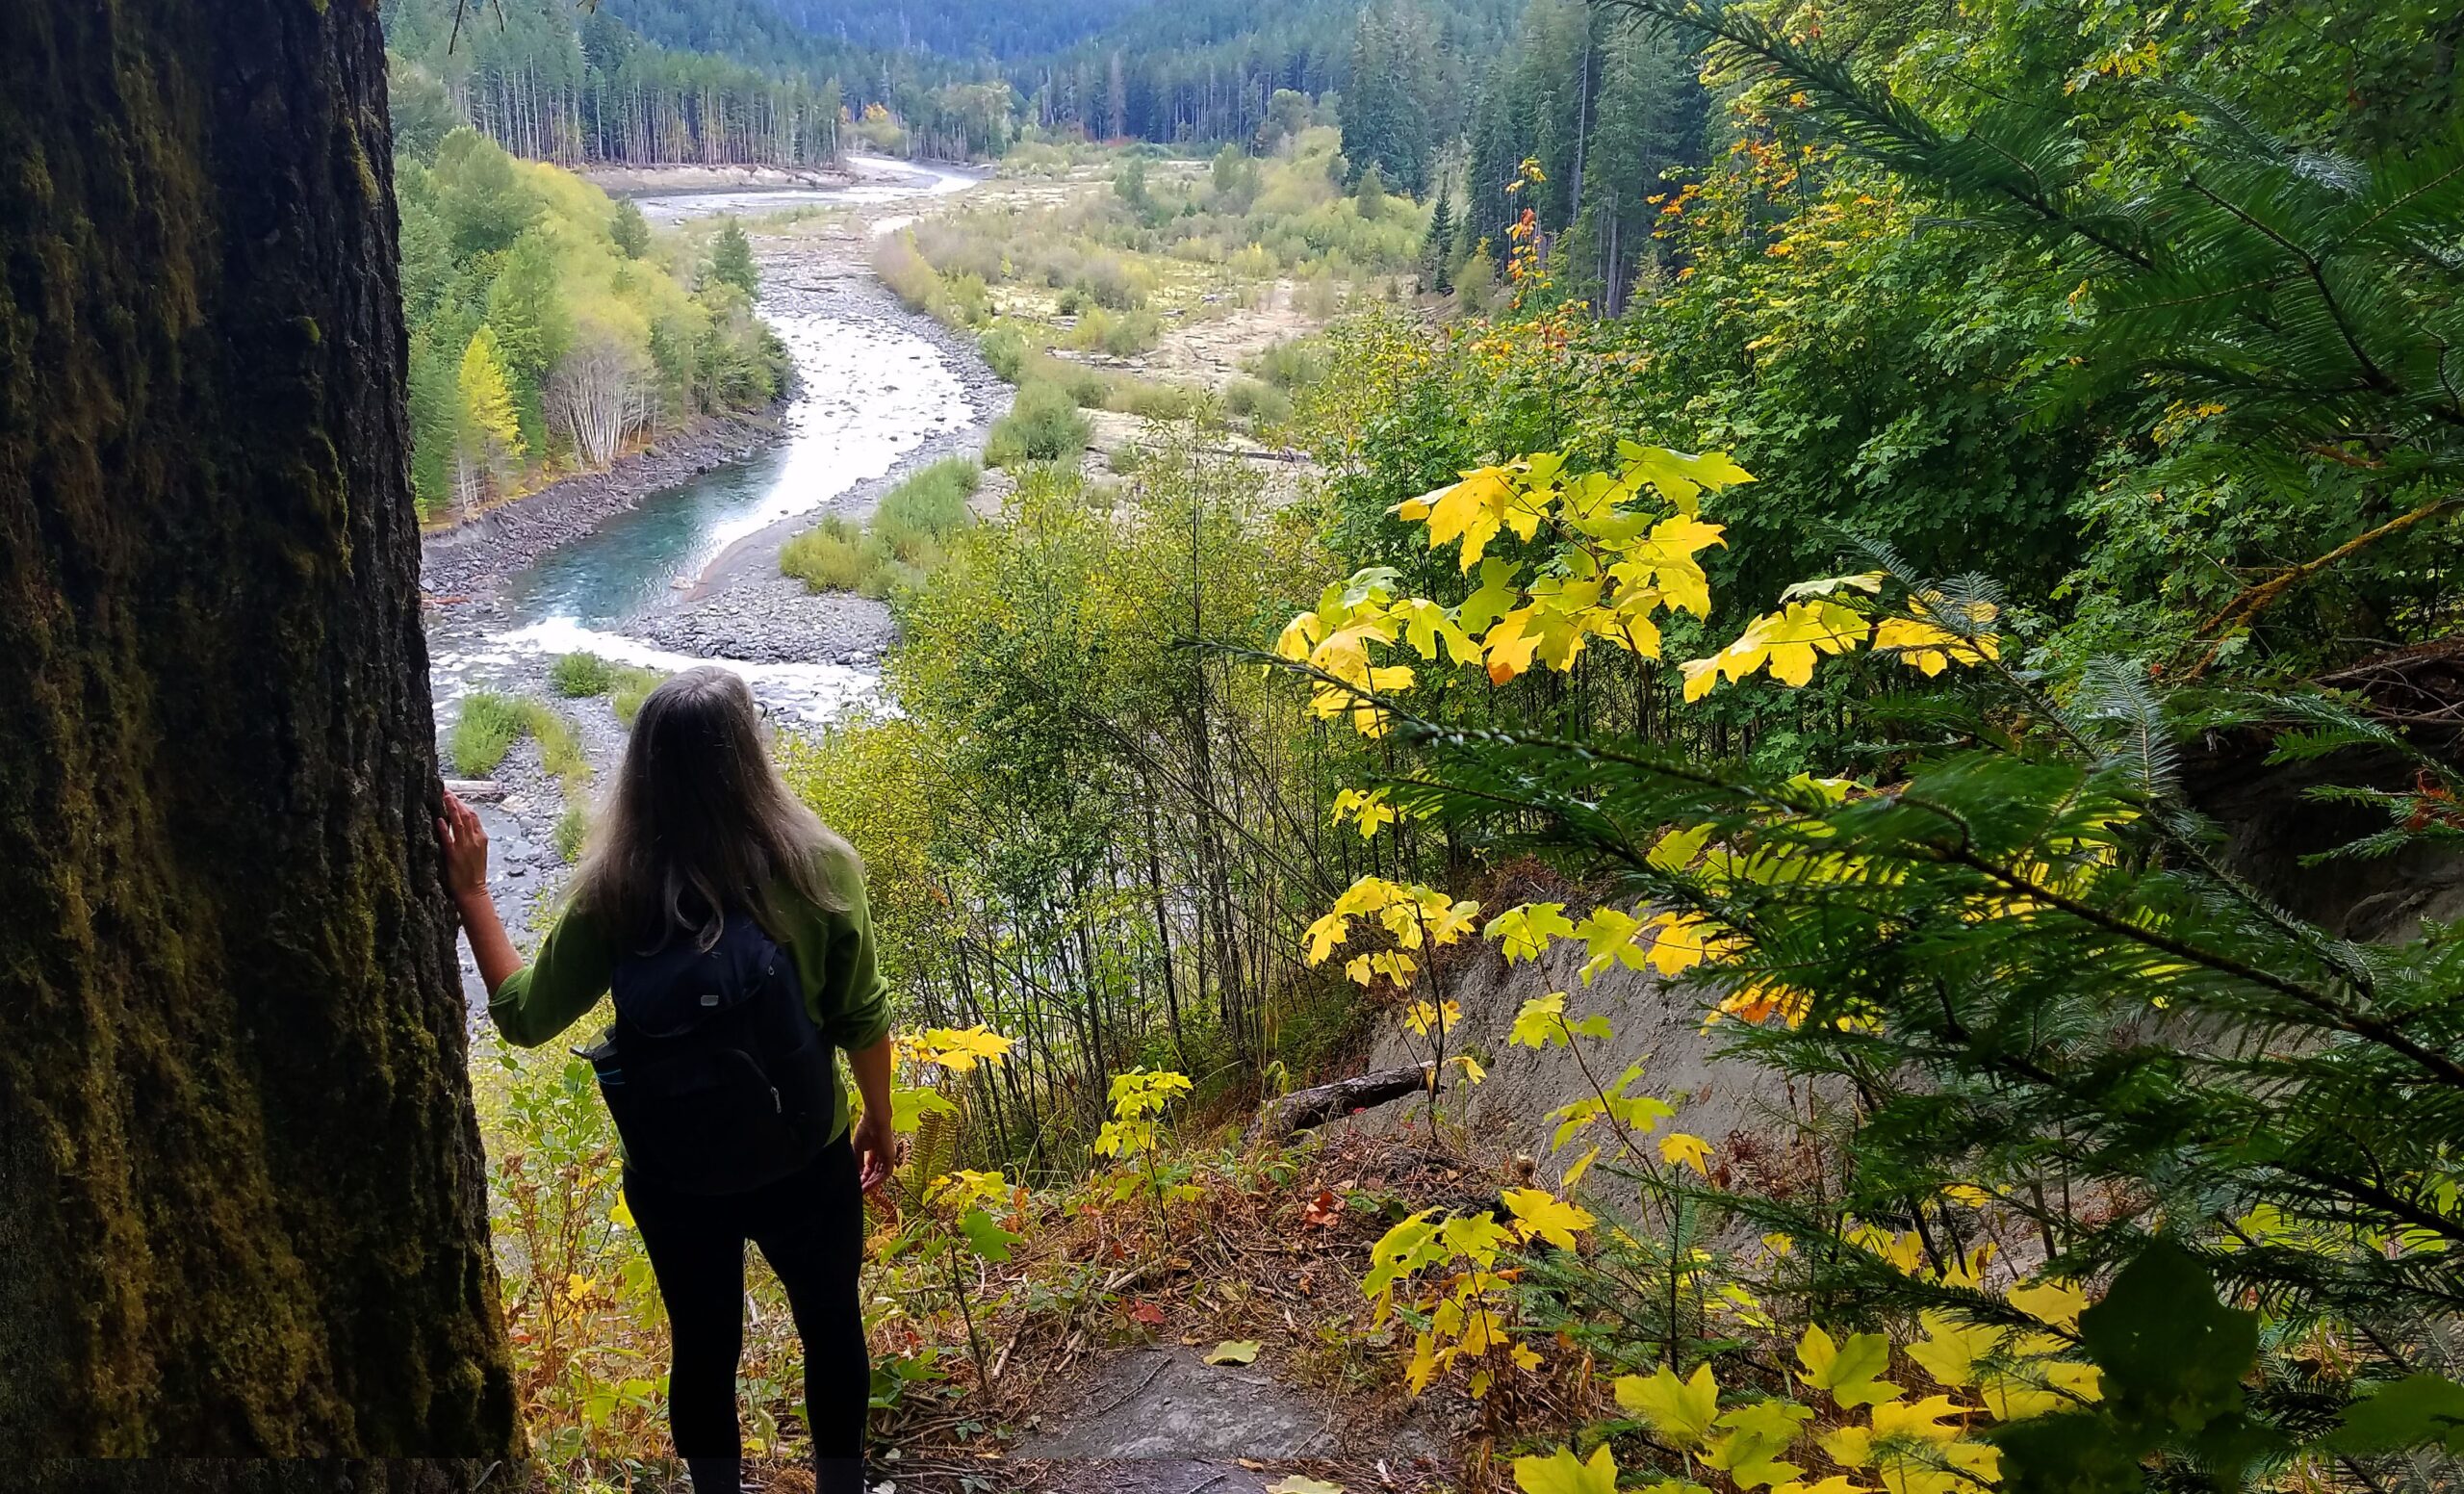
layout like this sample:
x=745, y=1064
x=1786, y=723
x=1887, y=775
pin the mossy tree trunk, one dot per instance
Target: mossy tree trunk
x=242, y=1197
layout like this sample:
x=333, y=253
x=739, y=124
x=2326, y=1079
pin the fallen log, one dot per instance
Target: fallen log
x=1304, y=1110
x=474, y=790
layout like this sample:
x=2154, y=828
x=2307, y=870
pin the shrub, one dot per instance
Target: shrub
x=559, y=750
x=577, y=676
x=970, y=300
x=1253, y=262
x=1087, y=389
x=890, y=575
x=1292, y=365
x=826, y=557
x=1149, y=400
x=1263, y=404
x=908, y=274
x=1108, y=282
x=1132, y=334
x=489, y=726
x=1093, y=330
x=1005, y=352
x=1045, y=426
x=916, y=515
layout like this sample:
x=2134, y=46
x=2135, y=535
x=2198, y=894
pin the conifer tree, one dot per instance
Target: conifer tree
x=1438, y=248
x=731, y=259
x=1370, y=198
x=533, y=326
x=629, y=229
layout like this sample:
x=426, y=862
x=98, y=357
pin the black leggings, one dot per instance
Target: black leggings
x=810, y=1228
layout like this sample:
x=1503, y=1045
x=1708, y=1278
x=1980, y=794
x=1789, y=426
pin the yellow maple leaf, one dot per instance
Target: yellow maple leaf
x=1918, y=1420
x=1930, y=648
x=1476, y=508
x=959, y=1049
x=1541, y=1215
x=1851, y=1371
x=1564, y=1473
x=1677, y=1147
x=1509, y=646
x=2052, y=1300
x=1680, y=1411
x=1523, y=931
x=1951, y=1348
x=1681, y=942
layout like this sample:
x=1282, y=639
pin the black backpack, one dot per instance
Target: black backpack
x=716, y=1076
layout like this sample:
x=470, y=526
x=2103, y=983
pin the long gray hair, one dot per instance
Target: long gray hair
x=700, y=822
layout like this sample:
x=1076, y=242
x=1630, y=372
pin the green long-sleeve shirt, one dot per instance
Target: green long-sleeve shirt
x=832, y=951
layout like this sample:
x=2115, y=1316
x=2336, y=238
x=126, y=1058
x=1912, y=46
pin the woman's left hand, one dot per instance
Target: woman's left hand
x=876, y=1149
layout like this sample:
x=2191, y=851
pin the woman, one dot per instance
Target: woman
x=700, y=850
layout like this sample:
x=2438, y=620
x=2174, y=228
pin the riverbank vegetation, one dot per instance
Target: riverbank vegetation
x=1135, y=283
x=488, y=726
x=900, y=543
x=587, y=675
x=552, y=329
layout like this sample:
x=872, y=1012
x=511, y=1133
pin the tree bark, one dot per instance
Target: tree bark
x=243, y=1208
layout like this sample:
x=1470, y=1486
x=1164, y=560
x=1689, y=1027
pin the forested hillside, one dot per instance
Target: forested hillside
x=552, y=83
x=729, y=82
x=550, y=327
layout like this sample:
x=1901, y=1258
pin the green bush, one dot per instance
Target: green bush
x=1087, y=388
x=910, y=276
x=1093, y=330
x=489, y=726
x=1292, y=365
x=1133, y=333
x=559, y=750
x=914, y=515
x=1149, y=400
x=1045, y=426
x=577, y=676
x=491, y=723
x=1005, y=352
x=826, y=557
x=1262, y=404
x=969, y=299
x=890, y=575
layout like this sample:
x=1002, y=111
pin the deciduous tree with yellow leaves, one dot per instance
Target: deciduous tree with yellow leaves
x=2059, y=1055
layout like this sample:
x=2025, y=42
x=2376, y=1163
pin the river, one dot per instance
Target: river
x=869, y=391
x=688, y=574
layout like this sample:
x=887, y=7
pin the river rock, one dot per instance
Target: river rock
x=773, y=619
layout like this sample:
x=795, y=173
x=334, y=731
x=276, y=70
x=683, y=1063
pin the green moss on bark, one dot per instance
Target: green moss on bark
x=242, y=1199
